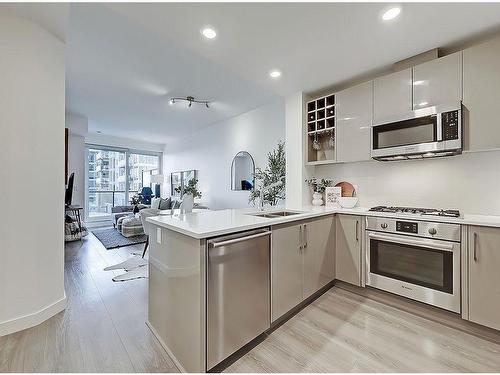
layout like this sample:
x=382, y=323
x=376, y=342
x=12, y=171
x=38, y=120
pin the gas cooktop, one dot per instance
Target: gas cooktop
x=416, y=211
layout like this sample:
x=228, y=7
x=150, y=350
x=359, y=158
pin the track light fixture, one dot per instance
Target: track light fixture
x=190, y=100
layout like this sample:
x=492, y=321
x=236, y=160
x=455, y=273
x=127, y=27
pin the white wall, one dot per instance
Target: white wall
x=32, y=174
x=109, y=140
x=468, y=182
x=211, y=151
x=297, y=192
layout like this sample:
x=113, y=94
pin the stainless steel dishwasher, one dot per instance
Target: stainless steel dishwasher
x=238, y=292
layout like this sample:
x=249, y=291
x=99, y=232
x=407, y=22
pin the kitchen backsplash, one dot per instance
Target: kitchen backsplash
x=469, y=182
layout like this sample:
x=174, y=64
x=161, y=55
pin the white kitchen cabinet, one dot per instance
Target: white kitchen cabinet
x=286, y=268
x=318, y=253
x=354, y=119
x=302, y=262
x=348, y=262
x=392, y=95
x=481, y=65
x=484, y=276
x=438, y=81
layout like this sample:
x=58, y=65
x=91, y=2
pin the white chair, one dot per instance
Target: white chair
x=145, y=213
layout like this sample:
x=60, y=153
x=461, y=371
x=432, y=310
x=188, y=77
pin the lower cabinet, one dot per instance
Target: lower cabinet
x=348, y=262
x=302, y=262
x=484, y=276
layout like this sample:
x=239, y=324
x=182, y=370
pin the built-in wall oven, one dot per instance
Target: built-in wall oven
x=428, y=132
x=415, y=259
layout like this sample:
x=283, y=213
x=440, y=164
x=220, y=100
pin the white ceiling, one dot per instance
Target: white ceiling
x=125, y=60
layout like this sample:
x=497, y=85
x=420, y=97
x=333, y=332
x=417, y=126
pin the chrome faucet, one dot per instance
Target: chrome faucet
x=263, y=190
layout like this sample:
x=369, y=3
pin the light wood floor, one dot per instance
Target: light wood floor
x=344, y=332
x=103, y=330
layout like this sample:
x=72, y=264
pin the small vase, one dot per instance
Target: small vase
x=317, y=199
x=188, y=202
x=136, y=209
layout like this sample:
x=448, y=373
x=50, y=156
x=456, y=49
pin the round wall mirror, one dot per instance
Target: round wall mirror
x=242, y=170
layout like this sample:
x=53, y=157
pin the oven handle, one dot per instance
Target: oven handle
x=431, y=244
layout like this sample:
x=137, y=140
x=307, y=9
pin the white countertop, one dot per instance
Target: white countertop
x=206, y=223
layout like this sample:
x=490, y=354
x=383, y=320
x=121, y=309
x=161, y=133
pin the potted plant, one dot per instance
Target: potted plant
x=270, y=182
x=135, y=201
x=318, y=188
x=190, y=192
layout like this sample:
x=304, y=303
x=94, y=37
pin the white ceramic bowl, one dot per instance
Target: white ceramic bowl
x=348, y=202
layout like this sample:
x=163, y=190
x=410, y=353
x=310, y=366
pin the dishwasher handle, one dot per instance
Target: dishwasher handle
x=239, y=239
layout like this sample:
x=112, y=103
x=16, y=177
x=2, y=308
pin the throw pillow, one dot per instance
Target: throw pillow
x=155, y=203
x=177, y=204
x=165, y=204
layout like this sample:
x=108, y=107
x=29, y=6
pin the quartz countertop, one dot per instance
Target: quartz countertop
x=206, y=223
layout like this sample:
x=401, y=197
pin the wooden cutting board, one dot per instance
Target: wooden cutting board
x=347, y=189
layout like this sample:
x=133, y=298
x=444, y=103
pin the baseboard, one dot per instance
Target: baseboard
x=166, y=348
x=34, y=319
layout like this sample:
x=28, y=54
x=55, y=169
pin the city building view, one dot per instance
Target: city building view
x=108, y=174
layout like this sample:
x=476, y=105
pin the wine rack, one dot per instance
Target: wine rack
x=320, y=127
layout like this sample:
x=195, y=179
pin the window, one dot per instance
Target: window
x=114, y=175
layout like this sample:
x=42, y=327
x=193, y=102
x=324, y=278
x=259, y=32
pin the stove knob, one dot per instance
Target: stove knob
x=384, y=225
x=432, y=231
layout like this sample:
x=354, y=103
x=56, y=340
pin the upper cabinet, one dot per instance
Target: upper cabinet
x=392, y=95
x=482, y=95
x=438, y=81
x=354, y=119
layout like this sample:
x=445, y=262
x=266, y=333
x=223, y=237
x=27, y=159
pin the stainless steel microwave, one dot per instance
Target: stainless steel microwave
x=428, y=132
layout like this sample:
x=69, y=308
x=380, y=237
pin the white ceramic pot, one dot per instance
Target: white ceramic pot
x=187, y=202
x=317, y=199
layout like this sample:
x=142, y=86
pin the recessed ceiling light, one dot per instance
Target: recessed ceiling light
x=391, y=13
x=209, y=33
x=275, y=73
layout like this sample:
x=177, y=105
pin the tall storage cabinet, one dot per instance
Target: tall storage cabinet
x=302, y=262
x=438, y=81
x=484, y=276
x=482, y=95
x=354, y=119
x=348, y=262
x=392, y=95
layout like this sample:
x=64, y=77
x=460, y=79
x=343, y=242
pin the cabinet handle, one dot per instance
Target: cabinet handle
x=305, y=236
x=357, y=236
x=300, y=237
x=475, y=247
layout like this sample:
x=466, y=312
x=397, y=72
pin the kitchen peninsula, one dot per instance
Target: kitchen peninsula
x=220, y=279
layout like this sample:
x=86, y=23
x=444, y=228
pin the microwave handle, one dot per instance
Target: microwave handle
x=439, y=128
x=430, y=244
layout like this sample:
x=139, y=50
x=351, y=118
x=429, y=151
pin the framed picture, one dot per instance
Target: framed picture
x=175, y=182
x=180, y=180
x=332, y=195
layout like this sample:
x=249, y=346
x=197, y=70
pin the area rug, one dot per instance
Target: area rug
x=111, y=238
x=136, y=273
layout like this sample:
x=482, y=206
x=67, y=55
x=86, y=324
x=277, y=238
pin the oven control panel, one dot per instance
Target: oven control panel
x=415, y=228
x=450, y=122
x=407, y=227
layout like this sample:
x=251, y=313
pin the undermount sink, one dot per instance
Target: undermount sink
x=273, y=215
